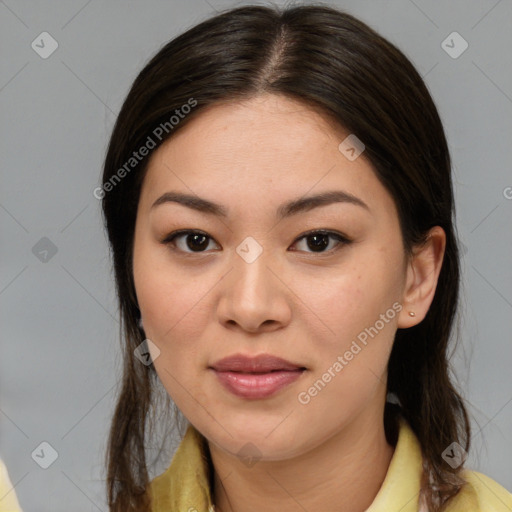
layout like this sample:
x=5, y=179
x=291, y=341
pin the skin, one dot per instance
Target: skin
x=292, y=302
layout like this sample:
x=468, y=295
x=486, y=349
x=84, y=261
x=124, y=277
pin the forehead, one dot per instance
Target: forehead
x=257, y=150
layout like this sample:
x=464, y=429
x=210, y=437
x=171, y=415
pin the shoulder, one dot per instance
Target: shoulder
x=8, y=500
x=481, y=494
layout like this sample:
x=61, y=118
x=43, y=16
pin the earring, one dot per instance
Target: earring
x=139, y=323
x=412, y=313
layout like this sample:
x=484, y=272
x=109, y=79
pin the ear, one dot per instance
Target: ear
x=423, y=271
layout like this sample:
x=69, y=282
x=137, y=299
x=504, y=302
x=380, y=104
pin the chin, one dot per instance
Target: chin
x=256, y=441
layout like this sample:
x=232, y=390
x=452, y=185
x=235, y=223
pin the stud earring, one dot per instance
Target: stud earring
x=412, y=313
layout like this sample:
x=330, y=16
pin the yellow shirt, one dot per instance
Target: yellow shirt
x=184, y=486
x=8, y=500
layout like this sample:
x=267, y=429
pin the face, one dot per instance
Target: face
x=318, y=284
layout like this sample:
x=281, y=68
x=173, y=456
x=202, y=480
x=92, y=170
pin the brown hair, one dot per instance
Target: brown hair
x=337, y=64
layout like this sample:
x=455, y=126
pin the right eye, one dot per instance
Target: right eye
x=194, y=240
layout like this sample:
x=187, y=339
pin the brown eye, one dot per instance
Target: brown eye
x=318, y=241
x=192, y=241
x=189, y=241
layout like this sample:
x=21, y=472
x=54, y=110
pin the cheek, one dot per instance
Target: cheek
x=351, y=357
x=170, y=300
x=176, y=313
x=346, y=301
x=358, y=309
x=171, y=308
x=169, y=305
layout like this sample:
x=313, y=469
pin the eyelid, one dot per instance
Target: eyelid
x=339, y=237
x=323, y=231
x=169, y=239
x=171, y=236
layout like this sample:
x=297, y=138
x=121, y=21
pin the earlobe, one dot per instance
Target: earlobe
x=423, y=272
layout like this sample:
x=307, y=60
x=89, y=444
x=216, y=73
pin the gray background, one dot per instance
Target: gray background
x=60, y=358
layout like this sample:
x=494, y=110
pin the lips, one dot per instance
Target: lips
x=255, y=377
x=263, y=363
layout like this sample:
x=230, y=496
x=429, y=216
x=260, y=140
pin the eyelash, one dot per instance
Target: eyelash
x=341, y=240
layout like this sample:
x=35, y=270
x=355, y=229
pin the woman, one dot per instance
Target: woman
x=278, y=199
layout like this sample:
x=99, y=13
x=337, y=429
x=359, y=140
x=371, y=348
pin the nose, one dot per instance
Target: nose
x=253, y=295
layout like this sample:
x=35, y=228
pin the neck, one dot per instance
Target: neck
x=343, y=474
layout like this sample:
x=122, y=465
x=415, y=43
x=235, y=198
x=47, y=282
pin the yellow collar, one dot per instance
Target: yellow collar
x=185, y=485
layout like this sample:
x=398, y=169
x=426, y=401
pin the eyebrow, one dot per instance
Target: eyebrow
x=294, y=207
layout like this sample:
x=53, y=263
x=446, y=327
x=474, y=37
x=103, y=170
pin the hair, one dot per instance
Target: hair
x=338, y=65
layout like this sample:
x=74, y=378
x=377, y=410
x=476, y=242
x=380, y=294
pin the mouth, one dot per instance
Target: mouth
x=256, y=377
x=263, y=363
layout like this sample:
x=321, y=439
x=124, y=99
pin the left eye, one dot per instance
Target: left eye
x=318, y=241
x=198, y=241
